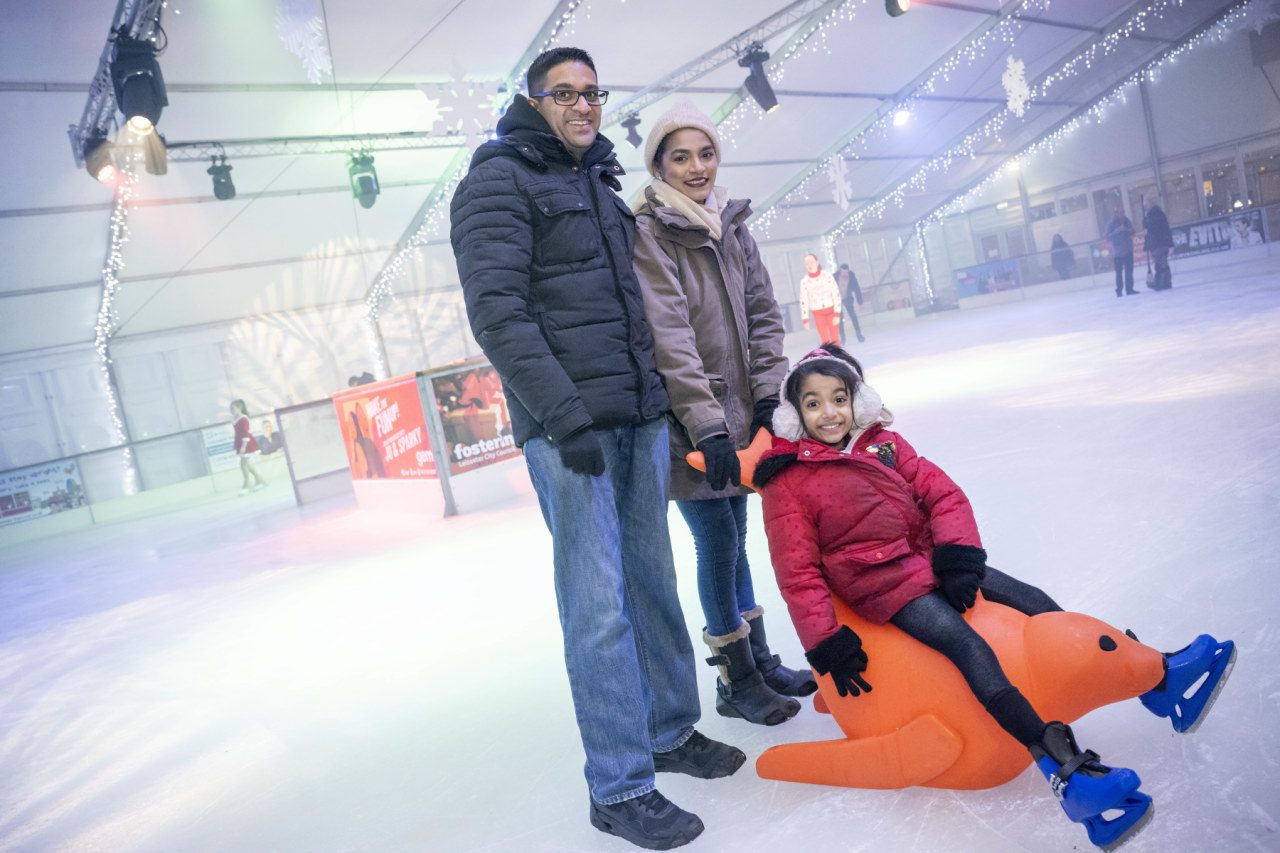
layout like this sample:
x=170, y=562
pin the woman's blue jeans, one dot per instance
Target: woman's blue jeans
x=626, y=644
x=719, y=528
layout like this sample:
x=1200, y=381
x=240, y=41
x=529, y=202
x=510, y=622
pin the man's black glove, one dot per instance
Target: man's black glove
x=960, y=570
x=722, y=462
x=762, y=414
x=841, y=656
x=581, y=453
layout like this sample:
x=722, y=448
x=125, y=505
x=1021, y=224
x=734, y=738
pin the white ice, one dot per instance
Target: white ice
x=236, y=678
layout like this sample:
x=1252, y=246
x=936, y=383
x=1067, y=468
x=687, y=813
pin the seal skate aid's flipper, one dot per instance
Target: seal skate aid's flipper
x=1205, y=661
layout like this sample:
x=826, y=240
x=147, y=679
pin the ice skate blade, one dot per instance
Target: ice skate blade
x=1113, y=834
x=1213, y=696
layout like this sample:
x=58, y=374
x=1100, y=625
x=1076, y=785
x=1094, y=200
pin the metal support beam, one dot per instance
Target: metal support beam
x=289, y=146
x=1151, y=143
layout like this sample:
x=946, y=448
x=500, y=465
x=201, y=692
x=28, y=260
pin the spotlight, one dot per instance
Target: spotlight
x=897, y=7
x=223, y=189
x=631, y=122
x=901, y=117
x=155, y=156
x=139, y=87
x=757, y=82
x=98, y=161
x=364, y=179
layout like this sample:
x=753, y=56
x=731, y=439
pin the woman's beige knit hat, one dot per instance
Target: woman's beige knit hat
x=682, y=115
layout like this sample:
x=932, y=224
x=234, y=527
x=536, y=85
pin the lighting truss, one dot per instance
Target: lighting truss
x=288, y=146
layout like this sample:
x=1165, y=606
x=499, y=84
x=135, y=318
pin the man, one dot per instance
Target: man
x=849, y=291
x=1120, y=233
x=1158, y=243
x=543, y=245
x=1244, y=235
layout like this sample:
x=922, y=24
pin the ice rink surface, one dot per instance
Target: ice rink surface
x=324, y=679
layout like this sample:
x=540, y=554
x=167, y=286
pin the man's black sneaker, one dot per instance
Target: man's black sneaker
x=649, y=820
x=702, y=757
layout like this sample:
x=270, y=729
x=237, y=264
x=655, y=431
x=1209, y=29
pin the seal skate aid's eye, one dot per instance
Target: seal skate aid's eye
x=1106, y=643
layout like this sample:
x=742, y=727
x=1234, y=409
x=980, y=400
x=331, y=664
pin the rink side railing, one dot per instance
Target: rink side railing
x=176, y=471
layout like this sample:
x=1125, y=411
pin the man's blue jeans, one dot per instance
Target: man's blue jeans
x=626, y=645
x=719, y=527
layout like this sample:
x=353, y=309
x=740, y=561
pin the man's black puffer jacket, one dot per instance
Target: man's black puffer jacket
x=543, y=245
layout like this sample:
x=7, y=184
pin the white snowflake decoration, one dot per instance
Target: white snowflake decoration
x=301, y=27
x=463, y=107
x=841, y=186
x=1259, y=16
x=1016, y=91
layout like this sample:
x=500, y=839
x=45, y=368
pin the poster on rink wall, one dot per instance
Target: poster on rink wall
x=40, y=490
x=473, y=412
x=1235, y=231
x=384, y=430
x=219, y=447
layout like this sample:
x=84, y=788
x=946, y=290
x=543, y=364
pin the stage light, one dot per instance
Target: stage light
x=901, y=117
x=631, y=122
x=155, y=156
x=897, y=7
x=364, y=179
x=138, y=84
x=223, y=188
x=98, y=160
x=757, y=82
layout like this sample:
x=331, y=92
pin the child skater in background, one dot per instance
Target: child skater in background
x=246, y=447
x=851, y=510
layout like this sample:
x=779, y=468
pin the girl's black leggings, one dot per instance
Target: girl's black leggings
x=934, y=622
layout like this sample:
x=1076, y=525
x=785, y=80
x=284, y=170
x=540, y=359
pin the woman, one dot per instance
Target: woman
x=820, y=296
x=718, y=331
x=246, y=447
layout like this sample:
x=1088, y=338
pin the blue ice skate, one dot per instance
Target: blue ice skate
x=1088, y=789
x=1205, y=659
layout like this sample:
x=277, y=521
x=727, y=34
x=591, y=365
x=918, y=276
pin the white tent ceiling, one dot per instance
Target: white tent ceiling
x=193, y=260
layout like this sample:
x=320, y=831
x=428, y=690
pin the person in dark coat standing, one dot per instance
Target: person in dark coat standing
x=543, y=245
x=1062, y=258
x=1120, y=233
x=1158, y=243
x=849, y=293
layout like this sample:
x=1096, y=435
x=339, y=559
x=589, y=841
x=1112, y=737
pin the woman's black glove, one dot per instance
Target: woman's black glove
x=960, y=570
x=581, y=453
x=722, y=462
x=762, y=414
x=841, y=656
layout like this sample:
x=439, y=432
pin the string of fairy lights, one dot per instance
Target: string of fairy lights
x=105, y=323
x=1094, y=113
x=1097, y=110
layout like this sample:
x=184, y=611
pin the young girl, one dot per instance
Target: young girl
x=851, y=510
x=246, y=447
x=820, y=296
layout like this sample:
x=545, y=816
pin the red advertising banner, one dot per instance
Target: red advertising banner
x=473, y=412
x=384, y=430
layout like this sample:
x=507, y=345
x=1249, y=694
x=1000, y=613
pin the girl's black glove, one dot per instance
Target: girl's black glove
x=841, y=656
x=723, y=466
x=960, y=570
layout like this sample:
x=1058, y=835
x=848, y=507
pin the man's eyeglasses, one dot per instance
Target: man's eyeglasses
x=569, y=97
